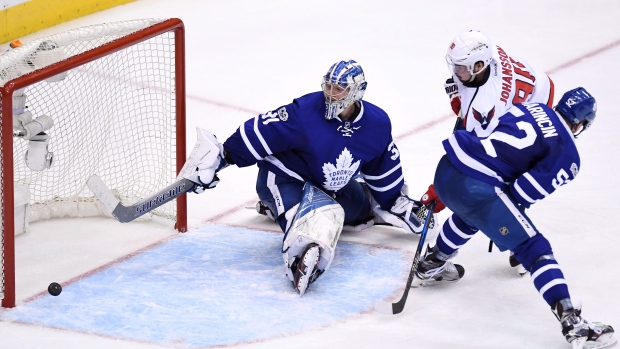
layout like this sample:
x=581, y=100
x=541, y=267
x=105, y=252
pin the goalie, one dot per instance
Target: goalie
x=309, y=154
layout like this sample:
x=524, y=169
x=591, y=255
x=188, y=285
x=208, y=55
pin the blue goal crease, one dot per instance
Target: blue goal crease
x=216, y=285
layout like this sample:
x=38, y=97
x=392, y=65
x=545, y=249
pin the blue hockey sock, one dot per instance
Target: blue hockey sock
x=549, y=281
x=454, y=234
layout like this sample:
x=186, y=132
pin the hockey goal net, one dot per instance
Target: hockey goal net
x=105, y=99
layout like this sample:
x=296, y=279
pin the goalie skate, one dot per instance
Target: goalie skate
x=582, y=334
x=305, y=269
x=264, y=210
x=433, y=272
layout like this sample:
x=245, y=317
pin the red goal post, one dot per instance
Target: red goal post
x=114, y=95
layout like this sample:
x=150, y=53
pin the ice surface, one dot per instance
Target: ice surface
x=245, y=57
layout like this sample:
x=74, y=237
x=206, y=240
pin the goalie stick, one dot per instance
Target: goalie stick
x=389, y=308
x=125, y=214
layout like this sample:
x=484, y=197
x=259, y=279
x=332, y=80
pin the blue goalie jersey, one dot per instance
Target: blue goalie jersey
x=296, y=141
x=530, y=152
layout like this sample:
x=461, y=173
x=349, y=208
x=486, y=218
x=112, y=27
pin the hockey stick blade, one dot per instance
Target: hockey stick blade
x=385, y=307
x=125, y=214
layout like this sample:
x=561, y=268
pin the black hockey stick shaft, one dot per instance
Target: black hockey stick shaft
x=396, y=308
x=125, y=214
x=457, y=123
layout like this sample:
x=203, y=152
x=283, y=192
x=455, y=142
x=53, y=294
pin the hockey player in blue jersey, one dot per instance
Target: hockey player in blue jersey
x=308, y=153
x=485, y=82
x=489, y=182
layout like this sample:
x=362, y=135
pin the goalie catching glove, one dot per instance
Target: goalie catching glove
x=405, y=213
x=205, y=160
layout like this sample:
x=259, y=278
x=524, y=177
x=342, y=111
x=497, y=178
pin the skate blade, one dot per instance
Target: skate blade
x=417, y=282
x=579, y=342
x=604, y=341
x=311, y=259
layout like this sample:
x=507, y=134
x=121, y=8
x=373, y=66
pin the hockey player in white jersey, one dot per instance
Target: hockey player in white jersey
x=486, y=82
x=309, y=153
x=489, y=182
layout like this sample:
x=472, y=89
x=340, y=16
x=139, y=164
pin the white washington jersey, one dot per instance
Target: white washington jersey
x=530, y=153
x=508, y=81
x=296, y=141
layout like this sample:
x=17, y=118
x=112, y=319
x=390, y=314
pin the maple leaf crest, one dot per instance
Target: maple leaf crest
x=337, y=176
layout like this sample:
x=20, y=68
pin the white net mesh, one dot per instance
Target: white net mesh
x=114, y=117
x=73, y=42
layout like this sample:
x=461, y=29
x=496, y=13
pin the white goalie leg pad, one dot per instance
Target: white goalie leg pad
x=319, y=220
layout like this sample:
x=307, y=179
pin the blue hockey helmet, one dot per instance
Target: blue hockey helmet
x=578, y=105
x=343, y=85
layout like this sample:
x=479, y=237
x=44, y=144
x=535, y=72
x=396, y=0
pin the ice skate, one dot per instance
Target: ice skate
x=515, y=263
x=581, y=333
x=432, y=272
x=305, y=269
x=264, y=210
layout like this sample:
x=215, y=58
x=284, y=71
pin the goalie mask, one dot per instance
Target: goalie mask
x=468, y=48
x=343, y=85
x=578, y=105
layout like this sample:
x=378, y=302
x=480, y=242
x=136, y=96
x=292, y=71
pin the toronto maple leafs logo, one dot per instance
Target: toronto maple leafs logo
x=339, y=175
x=484, y=118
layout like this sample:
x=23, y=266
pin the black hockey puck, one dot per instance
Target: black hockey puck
x=54, y=289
